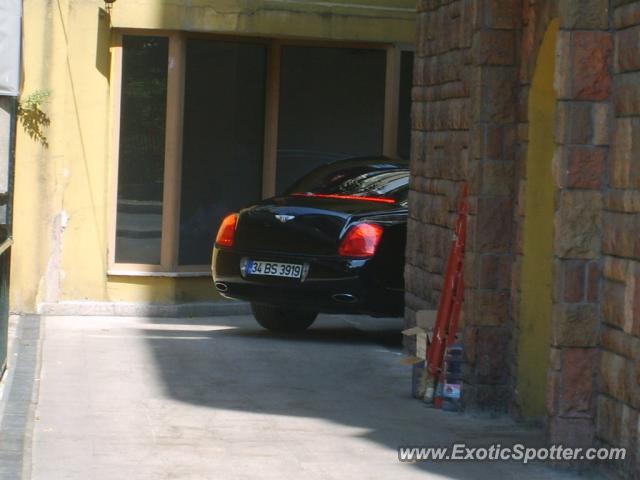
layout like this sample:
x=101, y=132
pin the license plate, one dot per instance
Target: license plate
x=274, y=269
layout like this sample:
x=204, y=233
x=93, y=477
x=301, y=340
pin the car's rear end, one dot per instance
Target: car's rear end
x=321, y=248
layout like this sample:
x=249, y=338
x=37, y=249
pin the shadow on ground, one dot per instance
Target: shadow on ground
x=344, y=370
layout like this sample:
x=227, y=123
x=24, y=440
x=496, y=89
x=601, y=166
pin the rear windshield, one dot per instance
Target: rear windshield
x=377, y=180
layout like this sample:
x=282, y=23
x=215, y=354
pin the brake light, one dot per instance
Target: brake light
x=227, y=231
x=361, y=241
x=345, y=197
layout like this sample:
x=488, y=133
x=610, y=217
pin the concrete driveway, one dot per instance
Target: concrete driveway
x=220, y=398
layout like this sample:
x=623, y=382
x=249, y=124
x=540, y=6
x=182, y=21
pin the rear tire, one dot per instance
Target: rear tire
x=281, y=319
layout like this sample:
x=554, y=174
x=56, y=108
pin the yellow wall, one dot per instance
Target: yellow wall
x=160, y=289
x=370, y=20
x=61, y=192
x=535, y=309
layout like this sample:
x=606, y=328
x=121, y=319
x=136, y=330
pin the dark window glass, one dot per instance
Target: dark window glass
x=331, y=107
x=404, y=105
x=356, y=177
x=141, y=156
x=223, y=139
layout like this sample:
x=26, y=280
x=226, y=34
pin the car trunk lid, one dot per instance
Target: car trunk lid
x=300, y=224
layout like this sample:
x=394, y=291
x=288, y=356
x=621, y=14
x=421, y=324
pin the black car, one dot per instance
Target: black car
x=333, y=243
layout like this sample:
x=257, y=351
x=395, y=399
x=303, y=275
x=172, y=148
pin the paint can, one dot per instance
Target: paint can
x=452, y=387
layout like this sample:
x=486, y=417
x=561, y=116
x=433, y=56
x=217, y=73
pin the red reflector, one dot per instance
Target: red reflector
x=345, y=197
x=227, y=230
x=361, y=241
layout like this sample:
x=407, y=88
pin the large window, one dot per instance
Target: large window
x=142, y=134
x=208, y=125
x=331, y=107
x=223, y=139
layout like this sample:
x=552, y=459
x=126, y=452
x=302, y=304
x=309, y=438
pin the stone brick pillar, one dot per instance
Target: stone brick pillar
x=440, y=144
x=473, y=69
x=464, y=129
x=618, y=403
x=488, y=326
x=583, y=86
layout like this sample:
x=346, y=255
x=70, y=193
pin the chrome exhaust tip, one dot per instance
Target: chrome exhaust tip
x=344, y=298
x=221, y=287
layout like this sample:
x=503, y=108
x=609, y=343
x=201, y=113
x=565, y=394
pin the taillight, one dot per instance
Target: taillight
x=227, y=231
x=361, y=241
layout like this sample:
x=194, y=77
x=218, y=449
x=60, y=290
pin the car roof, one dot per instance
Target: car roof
x=324, y=178
x=382, y=161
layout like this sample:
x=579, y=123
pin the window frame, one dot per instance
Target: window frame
x=176, y=63
x=400, y=48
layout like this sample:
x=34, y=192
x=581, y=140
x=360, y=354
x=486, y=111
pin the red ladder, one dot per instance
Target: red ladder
x=450, y=304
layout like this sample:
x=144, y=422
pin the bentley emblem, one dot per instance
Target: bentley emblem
x=285, y=218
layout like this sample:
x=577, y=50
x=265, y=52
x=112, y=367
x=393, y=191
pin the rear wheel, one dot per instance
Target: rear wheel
x=282, y=319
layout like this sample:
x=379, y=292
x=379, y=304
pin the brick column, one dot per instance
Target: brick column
x=488, y=322
x=439, y=150
x=583, y=113
x=464, y=129
x=618, y=403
